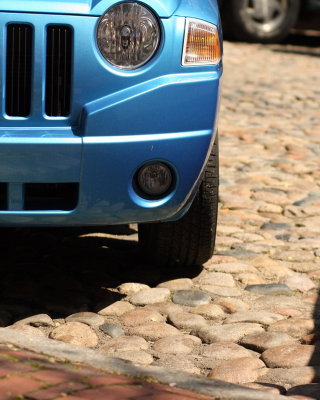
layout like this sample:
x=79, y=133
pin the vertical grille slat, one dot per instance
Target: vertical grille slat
x=58, y=70
x=18, y=69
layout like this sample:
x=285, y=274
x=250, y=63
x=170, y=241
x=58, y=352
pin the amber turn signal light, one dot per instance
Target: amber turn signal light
x=201, y=43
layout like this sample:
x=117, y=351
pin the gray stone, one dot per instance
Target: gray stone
x=113, y=330
x=86, y=317
x=290, y=356
x=37, y=320
x=191, y=298
x=313, y=196
x=75, y=333
x=260, y=317
x=150, y=296
x=266, y=340
x=276, y=226
x=270, y=289
x=242, y=254
x=241, y=370
x=227, y=333
x=187, y=320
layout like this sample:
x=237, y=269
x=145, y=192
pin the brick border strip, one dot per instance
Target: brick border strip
x=76, y=354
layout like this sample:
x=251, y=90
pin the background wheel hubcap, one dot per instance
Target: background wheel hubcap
x=265, y=15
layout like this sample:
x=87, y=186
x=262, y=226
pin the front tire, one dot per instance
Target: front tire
x=190, y=240
x=267, y=21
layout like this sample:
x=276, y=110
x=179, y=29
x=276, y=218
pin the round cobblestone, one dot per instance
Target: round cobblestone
x=241, y=370
x=88, y=318
x=75, y=333
x=150, y=296
x=181, y=344
x=266, y=340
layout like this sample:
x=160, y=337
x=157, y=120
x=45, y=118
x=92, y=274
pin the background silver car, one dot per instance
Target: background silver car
x=267, y=21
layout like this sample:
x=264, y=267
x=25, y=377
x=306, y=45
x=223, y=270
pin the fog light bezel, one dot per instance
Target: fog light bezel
x=147, y=196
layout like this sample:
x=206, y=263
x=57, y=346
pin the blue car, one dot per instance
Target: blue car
x=109, y=117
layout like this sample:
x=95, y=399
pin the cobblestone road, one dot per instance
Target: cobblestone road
x=250, y=315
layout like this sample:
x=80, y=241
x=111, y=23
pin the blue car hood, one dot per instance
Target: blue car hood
x=164, y=8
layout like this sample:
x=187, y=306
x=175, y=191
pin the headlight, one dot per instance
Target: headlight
x=201, y=43
x=128, y=35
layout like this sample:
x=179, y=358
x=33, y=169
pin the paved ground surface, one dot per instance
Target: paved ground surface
x=24, y=375
x=251, y=315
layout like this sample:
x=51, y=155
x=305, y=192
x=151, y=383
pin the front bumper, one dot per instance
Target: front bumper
x=119, y=121
x=104, y=168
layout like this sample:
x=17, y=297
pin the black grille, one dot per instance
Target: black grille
x=58, y=71
x=19, y=66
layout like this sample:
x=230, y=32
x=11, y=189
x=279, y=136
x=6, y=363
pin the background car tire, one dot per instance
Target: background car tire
x=239, y=24
x=189, y=240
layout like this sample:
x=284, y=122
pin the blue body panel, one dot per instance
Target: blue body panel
x=118, y=120
x=163, y=8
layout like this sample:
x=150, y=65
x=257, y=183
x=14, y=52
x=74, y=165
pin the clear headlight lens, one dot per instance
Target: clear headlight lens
x=128, y=35
x=201, y=43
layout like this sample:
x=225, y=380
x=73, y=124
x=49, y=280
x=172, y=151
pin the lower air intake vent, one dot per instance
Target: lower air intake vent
x=3, y=196
x=50, y=196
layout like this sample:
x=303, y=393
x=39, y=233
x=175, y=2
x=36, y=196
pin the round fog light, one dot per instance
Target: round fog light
x=154, y=179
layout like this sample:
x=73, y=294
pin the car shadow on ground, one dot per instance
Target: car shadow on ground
x=63, y=271
x=306, y=45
